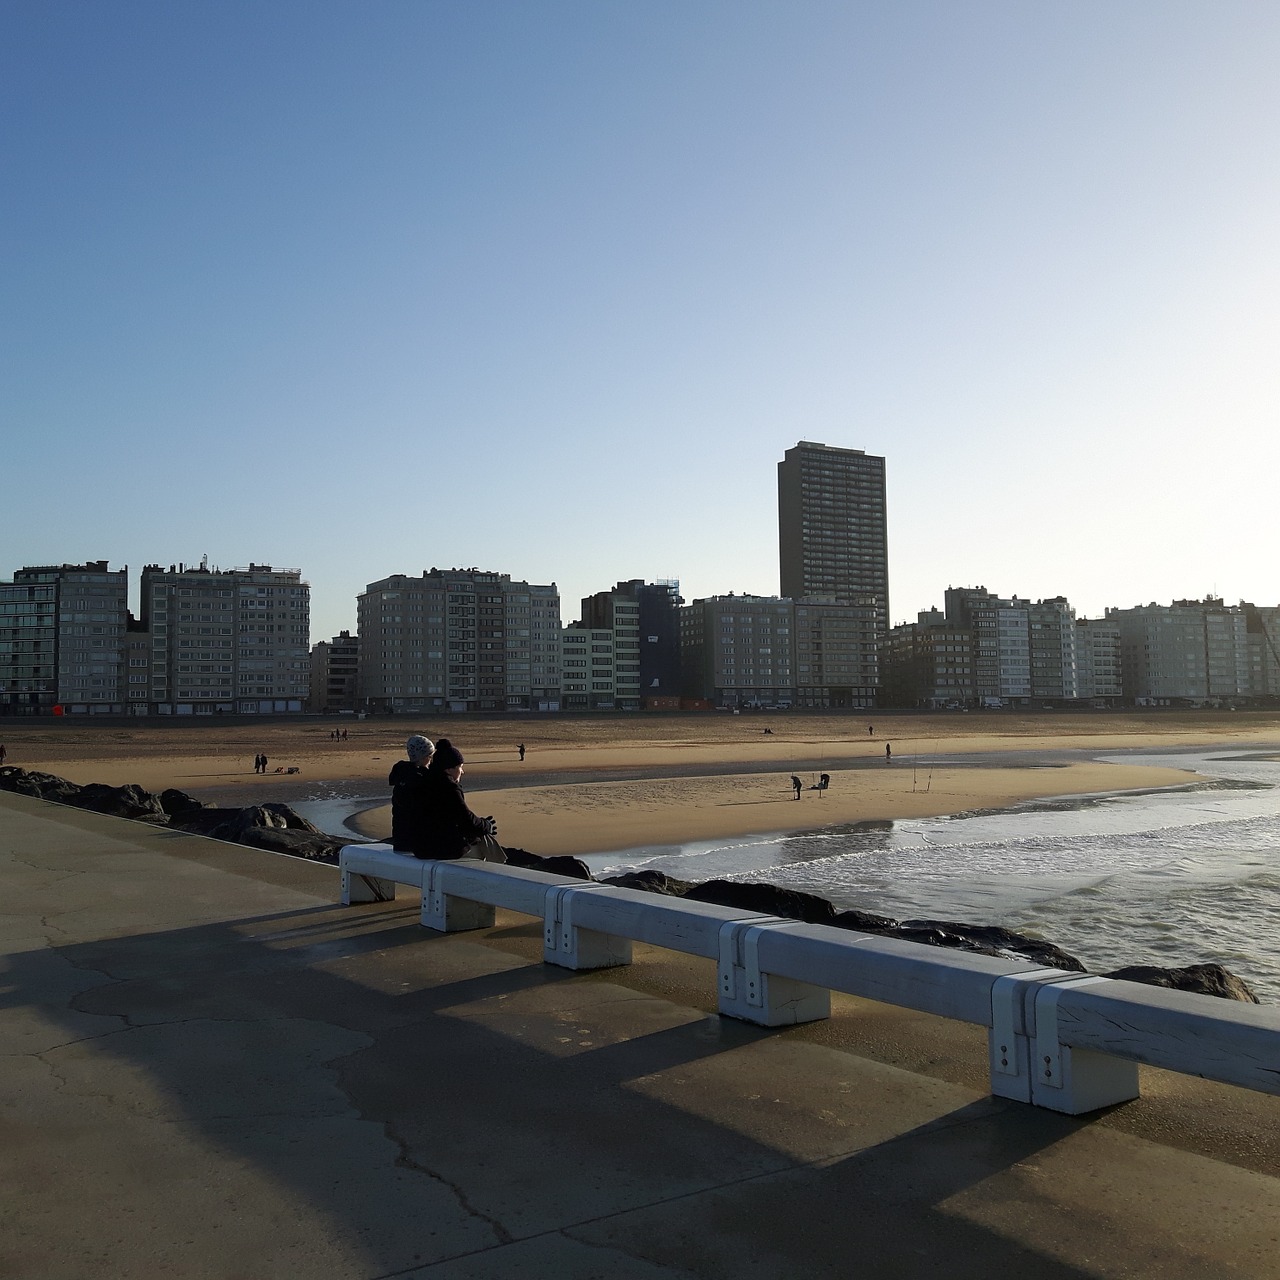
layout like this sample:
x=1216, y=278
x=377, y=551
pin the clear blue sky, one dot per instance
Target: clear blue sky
x=548, y=288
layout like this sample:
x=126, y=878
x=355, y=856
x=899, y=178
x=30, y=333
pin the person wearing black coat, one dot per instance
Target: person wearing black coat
x=429, y=813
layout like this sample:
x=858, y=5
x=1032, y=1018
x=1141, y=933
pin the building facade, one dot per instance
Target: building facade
x=1191, y=651
x=738, y=651
x=645, y=619
x=832, y=528
x=588, y=668
x=929, y=664
x=62, y=640
x=618, y=612
x=459, y=640
x=1098, y=661
x=335, y=669
x=838, y=651
x=226, y=640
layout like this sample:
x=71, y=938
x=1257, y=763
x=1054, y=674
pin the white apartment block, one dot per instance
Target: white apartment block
x=588, y=657
x=458, y=640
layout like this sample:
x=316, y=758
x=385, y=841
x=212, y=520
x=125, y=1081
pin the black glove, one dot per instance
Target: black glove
x=490, y=826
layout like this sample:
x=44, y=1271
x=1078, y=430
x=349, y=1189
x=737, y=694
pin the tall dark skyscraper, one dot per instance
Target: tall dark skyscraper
x=831, y=527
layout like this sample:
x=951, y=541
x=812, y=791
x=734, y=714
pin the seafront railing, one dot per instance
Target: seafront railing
x=1068, y=1042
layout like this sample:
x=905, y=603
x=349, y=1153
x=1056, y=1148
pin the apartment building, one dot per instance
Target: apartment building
x=618, y=613
x=459, y=640
x=1187, y=651
x=226, y=640
x=62, y=639
x=838, y=651
x=335, y=668
x=929, y=664
x=738, y=651
x=589, y=680
x=1262, y=626
x=1051, y=649
x=1099, y=679
x=832, y=528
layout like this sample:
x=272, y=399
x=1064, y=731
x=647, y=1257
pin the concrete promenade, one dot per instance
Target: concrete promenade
x=209, y=1069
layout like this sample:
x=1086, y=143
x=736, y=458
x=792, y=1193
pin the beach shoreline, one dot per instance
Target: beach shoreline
x=601, y=784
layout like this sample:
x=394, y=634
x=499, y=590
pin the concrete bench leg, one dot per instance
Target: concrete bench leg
x=572, y=947
x=447, y=914
x=357, y=887
x=1029, y=1063
x=763, y=998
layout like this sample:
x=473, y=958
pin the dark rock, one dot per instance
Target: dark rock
x=864, y=922
x=558, y=865
x=649, y=881
x=118, y=802
x=314, y=846
x=767, y=899
x=177, y=803
x=235, y=824
x=42, y=786
x=990, y=940
x=1203, y=979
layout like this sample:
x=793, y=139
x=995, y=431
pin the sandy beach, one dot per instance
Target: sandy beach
x=596, y=784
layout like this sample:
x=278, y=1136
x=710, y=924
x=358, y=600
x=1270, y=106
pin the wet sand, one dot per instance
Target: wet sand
x=595, y=784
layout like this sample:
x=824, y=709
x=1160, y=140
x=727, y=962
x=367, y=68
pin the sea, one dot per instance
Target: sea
x=1175, y=876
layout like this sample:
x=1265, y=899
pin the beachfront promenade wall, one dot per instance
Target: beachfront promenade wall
x=1064, y=1041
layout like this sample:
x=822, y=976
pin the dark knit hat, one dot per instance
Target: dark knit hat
x=447, y=756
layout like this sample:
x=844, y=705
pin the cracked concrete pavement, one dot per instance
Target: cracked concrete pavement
x=211, y=1070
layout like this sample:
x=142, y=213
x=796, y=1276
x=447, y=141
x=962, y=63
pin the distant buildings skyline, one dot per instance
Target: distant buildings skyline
x=211, y=641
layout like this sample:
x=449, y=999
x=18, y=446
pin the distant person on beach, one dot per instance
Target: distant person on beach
x=429, y=813
x=824, y=781
x=796, y=785
x=3, y=753
x=520, y=749
x=888, y=752
x=871, y=731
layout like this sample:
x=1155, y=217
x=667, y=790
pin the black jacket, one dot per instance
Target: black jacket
x=429, y=814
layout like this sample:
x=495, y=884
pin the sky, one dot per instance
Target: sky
x=547, y=287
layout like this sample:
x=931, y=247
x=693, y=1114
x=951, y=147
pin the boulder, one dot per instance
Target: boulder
x=43, y=786
x=177, y=803
x=314, y=846
x=558, y=865
x=118, y=802
x=1203, y=979
x=767, y=899
x=989, y=940
x=864, y=922
x=235, y=824
x=649, y=881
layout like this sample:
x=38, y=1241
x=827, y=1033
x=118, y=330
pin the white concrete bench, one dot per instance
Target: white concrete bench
x=1066, y=1041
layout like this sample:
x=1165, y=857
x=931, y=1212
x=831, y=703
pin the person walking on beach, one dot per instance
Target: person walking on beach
x=796, y=785
x=520, y=749
x=429, y=813
x=888, y=753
